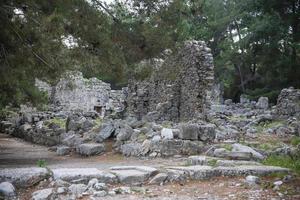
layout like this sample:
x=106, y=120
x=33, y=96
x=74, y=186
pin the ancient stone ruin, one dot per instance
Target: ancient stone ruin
x=176, y=114
x=177, y=91
x=75, y=93
x=288, y=103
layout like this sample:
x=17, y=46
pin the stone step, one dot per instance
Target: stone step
x=133, y=175
x=83, y=175
x=24, y=177
x=201, y=172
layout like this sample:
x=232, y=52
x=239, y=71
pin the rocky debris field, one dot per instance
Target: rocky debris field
x=249, y=146
x=93, y=183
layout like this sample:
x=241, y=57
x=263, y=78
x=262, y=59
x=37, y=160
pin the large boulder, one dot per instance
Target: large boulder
x=124, y=133
x=262, y=103
x=83, y=174
x=207, y=132
x=106, y=131
x=131, y=149
x=24, y=177
x=7, y=190
x=44, y=194
x=167, y=133
x=90, y=149
x=242, y=148
x=203, y=132
x=189, y=131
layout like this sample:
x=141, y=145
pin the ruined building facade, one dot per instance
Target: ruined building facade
x=73, y=92
x=179, y=90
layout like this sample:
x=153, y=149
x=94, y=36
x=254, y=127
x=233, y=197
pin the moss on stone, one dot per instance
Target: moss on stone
x=58, y=121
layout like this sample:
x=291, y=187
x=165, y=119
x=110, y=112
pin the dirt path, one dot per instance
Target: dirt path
x=15, y=152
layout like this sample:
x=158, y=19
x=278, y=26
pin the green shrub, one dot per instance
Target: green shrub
x=295, y=141
x=58, y=121
x=41, y=163
x=284, y=161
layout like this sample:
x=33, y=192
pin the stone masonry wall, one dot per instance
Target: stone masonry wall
x=288, y=103
x=178, y=91
x=73, y=92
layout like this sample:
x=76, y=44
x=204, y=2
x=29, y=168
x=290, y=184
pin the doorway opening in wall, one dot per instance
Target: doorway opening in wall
x=98, y=109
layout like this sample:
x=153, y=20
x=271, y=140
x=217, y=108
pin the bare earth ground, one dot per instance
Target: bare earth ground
x=15, y=153
x=18, y=153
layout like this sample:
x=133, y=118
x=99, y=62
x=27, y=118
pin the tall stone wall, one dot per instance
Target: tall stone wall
x=178, y=91
x=288, y=103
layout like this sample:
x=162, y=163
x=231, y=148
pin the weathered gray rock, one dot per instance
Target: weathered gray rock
x=100, y=186
x=246, y=170
x=207, y=132
x=200, y=160
x=238, y=155
x=132, y=177
x=61, y=190
x=63, y=150
x=158, y=179
x=124, y=133
x=24, y=177
x=220, y=152
x=233, y=163
x=133, y=174
x=262, y=103
x=44, y=194
x=198, y=172
x=167, y=133
x=7, y=190
x=131, y=149
x=149, y=170
x=189, y=131
x=242, y=148
x=100, y=194
x=106, y=131
x=84, y=174
x=90, y=149
x=77, y=189
x=71, y=139
x=252, y=180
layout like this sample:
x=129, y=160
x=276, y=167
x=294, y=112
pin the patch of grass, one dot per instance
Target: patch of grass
x=295, y=140
x=58, y=121
x=284, y=161
x=266, y=146
x=262, y=127
x=142, y=137
x=41, y=163
x=228, y=147
x=212, y=162
x=279, y=175
x=237, y=118
x=98, y=122
x=167, y=124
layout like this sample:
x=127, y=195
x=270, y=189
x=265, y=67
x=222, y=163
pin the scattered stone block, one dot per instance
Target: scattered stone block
x=90, y=149
x=44, y=194
x=7, y=190
x=24, y=177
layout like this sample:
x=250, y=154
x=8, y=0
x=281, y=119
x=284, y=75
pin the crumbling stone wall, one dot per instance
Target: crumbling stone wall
x=178, y=91
x=73, y=92
x=288, y=103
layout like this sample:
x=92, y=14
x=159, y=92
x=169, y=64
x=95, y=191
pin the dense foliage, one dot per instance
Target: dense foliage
x=255, y=43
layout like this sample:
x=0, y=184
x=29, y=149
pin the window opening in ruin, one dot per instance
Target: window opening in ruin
x=98, y=109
